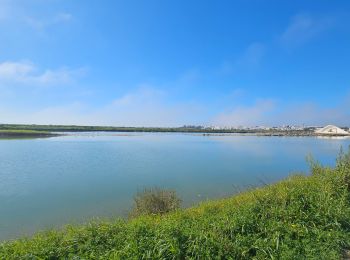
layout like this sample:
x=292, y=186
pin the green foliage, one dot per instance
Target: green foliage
x=155, y=201
x=302, y=217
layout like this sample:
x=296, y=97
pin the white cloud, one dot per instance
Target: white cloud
x=25, y=72
x=304, y=27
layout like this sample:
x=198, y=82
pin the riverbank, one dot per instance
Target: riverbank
x=301, y=217
x=9, y=134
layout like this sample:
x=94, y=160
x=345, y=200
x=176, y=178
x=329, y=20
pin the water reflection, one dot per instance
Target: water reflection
x=49, y=182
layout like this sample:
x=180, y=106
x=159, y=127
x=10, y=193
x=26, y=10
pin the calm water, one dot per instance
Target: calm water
x=46, y=183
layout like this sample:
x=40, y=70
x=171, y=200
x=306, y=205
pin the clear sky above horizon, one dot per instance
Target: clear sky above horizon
x=169, y=63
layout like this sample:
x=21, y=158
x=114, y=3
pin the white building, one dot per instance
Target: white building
x=331, y=130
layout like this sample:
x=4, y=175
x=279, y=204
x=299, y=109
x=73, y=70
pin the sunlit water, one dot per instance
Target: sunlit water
x=47, y=183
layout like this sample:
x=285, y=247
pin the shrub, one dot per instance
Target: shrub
x=155, y=201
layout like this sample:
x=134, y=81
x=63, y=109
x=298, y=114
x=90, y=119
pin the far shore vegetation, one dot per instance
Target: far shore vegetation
x=300, y=217
x=24, y=133
x=183, y=129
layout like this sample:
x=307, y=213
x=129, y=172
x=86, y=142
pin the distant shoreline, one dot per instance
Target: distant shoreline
x=29, y=131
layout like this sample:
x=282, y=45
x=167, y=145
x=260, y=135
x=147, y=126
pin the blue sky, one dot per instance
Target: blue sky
x=169, y=63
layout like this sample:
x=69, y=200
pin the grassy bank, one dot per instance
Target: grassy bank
x=20, y=133
x=301, y=217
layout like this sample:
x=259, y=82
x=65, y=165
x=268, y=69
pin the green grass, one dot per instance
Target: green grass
x=301, y=217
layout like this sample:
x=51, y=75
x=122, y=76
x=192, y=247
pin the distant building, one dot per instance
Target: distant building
x=331, y=130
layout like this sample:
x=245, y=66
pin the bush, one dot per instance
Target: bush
x=155, y=201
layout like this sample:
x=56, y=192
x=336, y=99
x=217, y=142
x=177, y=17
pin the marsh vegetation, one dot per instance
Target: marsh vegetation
x=24, y=133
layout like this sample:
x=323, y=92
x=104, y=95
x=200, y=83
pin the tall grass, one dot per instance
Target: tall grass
x=301, y=217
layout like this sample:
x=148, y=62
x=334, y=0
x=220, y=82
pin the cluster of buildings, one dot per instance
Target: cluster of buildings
x=251, y=128
x=327, y=130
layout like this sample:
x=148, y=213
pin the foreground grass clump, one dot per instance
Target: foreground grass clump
x=155, y=201
x=302, y=217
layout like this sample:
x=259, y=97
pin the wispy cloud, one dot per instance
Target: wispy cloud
x=73, y=113
x=250, y=58
x=25, y=72
x=313, y=114
x=14, y=13
x=143, y=106
x=149, y=106
x=44, y=23
x=246, y=115
x=271, y=112
x=253, y=55
x=4, y=9
x=304, y=27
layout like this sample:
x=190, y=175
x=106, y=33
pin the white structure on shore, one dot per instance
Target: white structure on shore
x=331, y=130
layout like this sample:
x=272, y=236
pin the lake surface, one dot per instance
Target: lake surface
x=46, y=183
